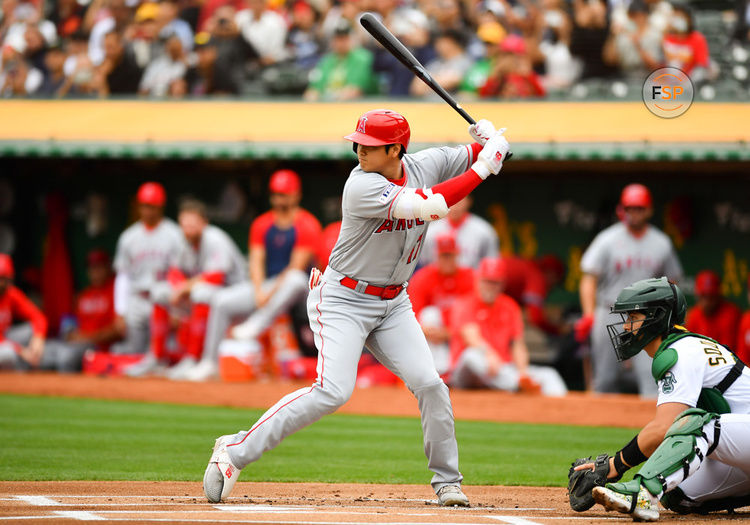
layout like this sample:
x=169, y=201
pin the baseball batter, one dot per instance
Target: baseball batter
x=388, y=201
x=621, y=254
x=141, y=260
x=696, y=444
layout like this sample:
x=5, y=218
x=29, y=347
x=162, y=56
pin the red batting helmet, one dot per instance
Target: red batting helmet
x=6, y=266
x=707, y=282
x=152, y=193
x=493, y=269
x=381, y=127
x=285, y=181
x=635, y=195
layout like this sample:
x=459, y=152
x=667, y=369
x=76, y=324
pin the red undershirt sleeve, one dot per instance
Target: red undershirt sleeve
x=455, y=189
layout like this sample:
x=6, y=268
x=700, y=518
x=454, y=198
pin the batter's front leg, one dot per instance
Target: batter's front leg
x=339, y=339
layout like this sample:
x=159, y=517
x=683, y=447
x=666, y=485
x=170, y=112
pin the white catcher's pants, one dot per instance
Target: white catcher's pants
x=343, y=321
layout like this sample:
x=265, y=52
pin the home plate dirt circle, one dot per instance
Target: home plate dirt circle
x=295, y=503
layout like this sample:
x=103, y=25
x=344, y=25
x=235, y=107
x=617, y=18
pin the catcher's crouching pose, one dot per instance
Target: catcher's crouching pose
x=695, y=448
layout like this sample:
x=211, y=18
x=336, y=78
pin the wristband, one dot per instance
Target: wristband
x=631, y=453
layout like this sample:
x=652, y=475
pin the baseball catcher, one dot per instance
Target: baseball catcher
x=695, y=448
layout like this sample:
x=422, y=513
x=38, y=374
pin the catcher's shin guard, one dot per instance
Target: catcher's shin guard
x=679, y=452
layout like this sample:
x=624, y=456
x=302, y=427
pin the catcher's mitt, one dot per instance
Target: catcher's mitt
x=581, y=482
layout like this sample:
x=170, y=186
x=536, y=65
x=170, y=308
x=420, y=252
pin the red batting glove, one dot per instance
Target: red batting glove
x=582, y=328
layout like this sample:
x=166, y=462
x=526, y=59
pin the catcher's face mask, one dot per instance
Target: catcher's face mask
x=635, y=331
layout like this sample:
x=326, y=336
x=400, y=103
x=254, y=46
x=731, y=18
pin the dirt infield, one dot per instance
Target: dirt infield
x=295, y=503
x=484, y=405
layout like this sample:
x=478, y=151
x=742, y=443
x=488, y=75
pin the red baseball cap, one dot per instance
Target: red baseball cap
x=95, y=257
x=152, y=193
x=636, y=195
x=446, y=243
x=707, y=282
x=493, y=269
x=285, y=181
x=6, y=266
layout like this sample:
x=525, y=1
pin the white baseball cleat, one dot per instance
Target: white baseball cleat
x=178, y=371
x=202, y=371
x=221, y=474
x=643, y=509
x=452, y=496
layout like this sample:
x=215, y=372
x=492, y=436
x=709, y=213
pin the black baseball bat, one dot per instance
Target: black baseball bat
x=394, y=46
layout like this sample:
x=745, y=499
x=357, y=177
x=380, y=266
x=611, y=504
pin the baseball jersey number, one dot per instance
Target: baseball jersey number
x=415, y=250
x=713, y=350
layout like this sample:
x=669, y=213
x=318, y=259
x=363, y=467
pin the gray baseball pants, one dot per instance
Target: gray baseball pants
x=343, y=321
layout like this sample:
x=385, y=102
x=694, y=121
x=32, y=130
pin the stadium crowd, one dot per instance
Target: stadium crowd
x=316, y=49
x=178, y=299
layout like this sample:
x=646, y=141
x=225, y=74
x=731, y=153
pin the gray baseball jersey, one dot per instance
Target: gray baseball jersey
x=475, y=238
x=373, y=246
x=217, y=252
x=619, y=259
x=144, y=254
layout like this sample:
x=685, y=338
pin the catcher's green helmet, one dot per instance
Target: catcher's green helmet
x=664, y=306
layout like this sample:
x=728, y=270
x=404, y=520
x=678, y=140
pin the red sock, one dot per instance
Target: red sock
x=159, y=330
x=198, y=318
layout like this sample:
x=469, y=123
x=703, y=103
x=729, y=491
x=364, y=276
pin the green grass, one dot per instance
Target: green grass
x=45, y=438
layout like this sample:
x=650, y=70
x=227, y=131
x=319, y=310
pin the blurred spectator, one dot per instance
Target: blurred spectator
x=170, y=24
x=54, y=78
x=512, y=75
x=166, y=70
x=67, y=16
x=142, y=36
x=282, y=246
x=488, y=348
x=119, y=16
x=619, y=255
x=741, y=31
x=589, y=35
x=78, y=67
x=345, y=73
x=302, y=39
x=713, y=315
x=433, y=290
x=446, y=16
x=475, y=237
x=743, y=337
x=412, y=28
x=264, y=29
x=349, y=11
x=491, y=33
x=551, y=45
x=119, y=73
x=208, y=11
x=636, y=46
x=684, y=47
x=450, y=66
x=17, y=77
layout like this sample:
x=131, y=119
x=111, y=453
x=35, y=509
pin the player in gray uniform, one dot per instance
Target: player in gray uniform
x=388, y=201
x=621, y=254
x=142, y=259
x=696, y=443
x=207, y=261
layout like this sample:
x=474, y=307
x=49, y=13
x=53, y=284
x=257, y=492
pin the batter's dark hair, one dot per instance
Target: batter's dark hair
x=400, y=153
